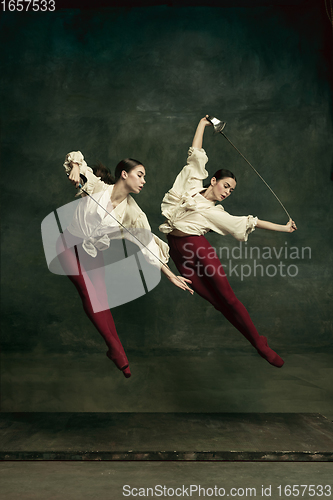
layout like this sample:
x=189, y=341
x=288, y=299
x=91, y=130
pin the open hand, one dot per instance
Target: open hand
x=181, y=282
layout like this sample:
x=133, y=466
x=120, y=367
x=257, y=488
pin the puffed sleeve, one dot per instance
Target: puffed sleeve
x=193, y=173
x=140, y=231
x=93, y=184
x=223, y=223
x=153, y=246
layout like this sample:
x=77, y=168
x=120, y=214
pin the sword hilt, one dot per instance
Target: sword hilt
x=217, y=124
x=83, y=177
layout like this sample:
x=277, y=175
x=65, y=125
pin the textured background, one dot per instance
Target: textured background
x=118, y=82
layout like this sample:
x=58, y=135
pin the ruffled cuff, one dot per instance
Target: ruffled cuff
x=250, y=225
x=76, y=157
x=198, y=152
x=165, y=228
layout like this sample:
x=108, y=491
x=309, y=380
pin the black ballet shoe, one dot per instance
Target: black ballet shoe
x=271, y=356
x=120, y=363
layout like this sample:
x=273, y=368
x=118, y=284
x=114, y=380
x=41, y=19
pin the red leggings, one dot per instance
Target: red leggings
x=92, y=290
x=196, y=260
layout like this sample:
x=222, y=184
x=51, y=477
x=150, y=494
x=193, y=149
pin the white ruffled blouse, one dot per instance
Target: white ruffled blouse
x=188, y=211
x=91, y=223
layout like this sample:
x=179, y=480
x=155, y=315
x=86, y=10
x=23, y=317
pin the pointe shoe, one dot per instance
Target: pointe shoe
x=120, y=361
x=271, y=356
x=127, y=372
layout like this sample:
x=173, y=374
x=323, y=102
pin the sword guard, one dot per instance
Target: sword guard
x=217, y=124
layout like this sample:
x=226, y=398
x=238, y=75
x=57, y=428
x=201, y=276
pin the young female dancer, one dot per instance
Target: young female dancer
x=191, y=212
x=80, y=247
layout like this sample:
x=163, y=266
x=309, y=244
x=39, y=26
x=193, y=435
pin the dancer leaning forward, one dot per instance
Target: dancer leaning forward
x=191, y=211
x=96, y=220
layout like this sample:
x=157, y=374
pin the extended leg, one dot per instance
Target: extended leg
x=101, y=320
x=210, y=282
x=96, y=282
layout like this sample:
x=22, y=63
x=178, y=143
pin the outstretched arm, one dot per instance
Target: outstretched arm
x=198, y=136
x=177, y=280
x=290, y=227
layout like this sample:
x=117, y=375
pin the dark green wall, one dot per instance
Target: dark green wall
x=134, y=82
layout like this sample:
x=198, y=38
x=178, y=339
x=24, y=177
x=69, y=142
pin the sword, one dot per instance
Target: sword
x=218, y=128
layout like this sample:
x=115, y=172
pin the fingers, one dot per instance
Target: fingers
x=188, y=289
x=74, y=180
x=183, y=280
x=184, y=286
x=292, y=225
x=207, y=122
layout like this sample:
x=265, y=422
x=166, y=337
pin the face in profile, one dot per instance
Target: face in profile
x=135, y=178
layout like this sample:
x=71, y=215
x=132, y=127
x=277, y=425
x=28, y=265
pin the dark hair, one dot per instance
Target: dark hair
x=222, y=174
x=128, y=164
x=104, y=173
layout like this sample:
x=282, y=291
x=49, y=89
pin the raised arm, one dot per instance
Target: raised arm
x=198, y=136
x=75, y=165
x=290, y=227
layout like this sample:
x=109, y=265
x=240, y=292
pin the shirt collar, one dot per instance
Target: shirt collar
x=199, y=198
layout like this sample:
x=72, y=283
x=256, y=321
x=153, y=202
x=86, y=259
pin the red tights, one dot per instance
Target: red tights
x=196, y=260
x=92, y=290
